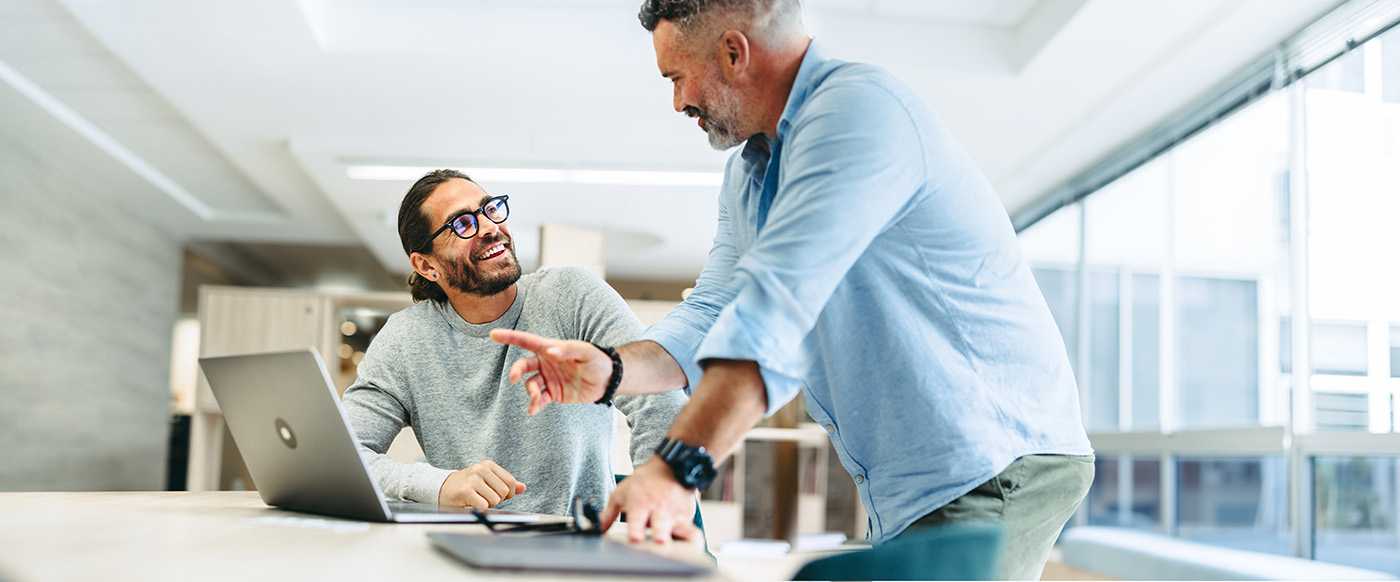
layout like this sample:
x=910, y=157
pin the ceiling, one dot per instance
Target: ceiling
x=238, y=121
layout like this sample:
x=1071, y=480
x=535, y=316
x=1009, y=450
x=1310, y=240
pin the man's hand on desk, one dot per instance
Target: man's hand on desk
x=563, y=371
x=480, y=486
x=651, y=496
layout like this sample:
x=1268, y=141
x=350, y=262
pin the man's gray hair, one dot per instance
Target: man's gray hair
x=761, y=16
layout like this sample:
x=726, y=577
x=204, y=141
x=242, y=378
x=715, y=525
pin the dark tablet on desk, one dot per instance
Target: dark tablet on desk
x=559, y=553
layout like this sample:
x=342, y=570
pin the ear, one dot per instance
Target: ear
x=424, y=265
x=734, y=54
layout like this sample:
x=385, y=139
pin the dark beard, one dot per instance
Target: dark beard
x=469, y=281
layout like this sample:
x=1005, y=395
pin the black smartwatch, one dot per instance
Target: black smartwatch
x=692, y=466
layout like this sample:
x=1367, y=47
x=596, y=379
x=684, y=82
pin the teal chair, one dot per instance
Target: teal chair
x=952, y=552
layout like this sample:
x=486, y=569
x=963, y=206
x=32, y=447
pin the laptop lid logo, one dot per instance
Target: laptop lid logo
x=284, y=432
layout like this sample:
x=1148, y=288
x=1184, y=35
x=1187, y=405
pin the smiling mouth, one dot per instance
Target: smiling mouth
x=493, y=251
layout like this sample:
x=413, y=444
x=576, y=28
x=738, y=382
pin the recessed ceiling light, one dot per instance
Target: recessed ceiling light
x=545, y=175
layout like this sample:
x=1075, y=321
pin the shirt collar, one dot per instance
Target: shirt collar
x=801, y=86
x=507, y=320
x=757, y=147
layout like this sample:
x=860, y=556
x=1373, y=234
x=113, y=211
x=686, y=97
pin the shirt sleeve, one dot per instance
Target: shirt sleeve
x=852, y=162
x=377, y=415
x=682, y=330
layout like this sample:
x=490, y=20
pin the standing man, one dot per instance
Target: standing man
x=862, y=260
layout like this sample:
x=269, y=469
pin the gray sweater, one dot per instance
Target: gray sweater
x=430, y=369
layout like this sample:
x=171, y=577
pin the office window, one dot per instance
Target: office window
x=1103, y=500
x=1347, y=73
x=1138, y=506
x=1217, y=352
x=1058, y=286
x=1146, y=338
x=1341, y=411
x=1390, y=68
x=1353, y=167
x=1126, y=246
x=1395, y=352
x=1355, y=511
x=1235, y=502
x=1339, y=348
x=1103, y=351
x=1146, y=504
x=1227, y=246
x=1051, y=245
x=1285, y=344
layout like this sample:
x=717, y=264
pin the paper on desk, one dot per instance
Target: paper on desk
x=335, y=525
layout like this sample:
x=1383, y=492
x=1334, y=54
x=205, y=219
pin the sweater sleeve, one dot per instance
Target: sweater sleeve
x=376, y=406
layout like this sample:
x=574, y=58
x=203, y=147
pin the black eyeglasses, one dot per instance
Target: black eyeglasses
x=465, y=225
x=583, y=520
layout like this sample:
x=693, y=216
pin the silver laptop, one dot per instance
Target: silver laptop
x=286, y=419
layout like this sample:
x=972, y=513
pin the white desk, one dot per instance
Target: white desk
x=226, y=536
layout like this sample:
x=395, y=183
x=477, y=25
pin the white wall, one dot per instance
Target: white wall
x=88, y=295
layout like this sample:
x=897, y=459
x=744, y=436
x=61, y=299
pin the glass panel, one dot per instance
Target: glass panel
x=1390, y=68
x=1105, y=504
x=1347, y=73
x=1053, y=240
x=1102, y=502
x=1353, y=169
x=1229, y=189
x=1217, y=352
x=1339, y=348
x=1103, y=351
x=1146, y=354
x=1355, y=512
x=1235, y=502
x=1051, y=245
x=1395, y=352
x=1147, y=495
x=1341, y=411
x=1285, y=344
x=1126, y=234
x=1058, y=286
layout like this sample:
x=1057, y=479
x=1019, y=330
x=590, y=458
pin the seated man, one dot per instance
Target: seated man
x=434, y=367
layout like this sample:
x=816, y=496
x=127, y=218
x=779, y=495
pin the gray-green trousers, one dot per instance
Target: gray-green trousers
x=1032, y=500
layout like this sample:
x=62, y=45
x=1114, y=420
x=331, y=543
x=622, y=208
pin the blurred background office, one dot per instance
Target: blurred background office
x=1208, y=192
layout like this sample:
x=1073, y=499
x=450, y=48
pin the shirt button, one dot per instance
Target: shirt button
x=860, y=479
x=828, y=427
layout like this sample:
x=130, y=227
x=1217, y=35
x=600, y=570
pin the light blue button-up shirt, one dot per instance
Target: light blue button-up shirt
x=863, y=260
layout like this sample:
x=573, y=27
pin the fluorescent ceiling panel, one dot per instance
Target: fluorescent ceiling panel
x=545, y=175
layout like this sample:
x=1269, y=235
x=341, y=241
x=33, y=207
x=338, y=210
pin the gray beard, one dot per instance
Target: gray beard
x=724, y=115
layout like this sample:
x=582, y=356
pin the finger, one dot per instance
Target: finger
x=661, y=523
x=610, y=512
x=519, y=488
x=554, y=378
x=522, y=367
x=521, y=339
x=685, y=531
x=498, y=485
x=637, y=524
x=506, y=479
x=475, y=501
x=537, y=399
x=485, y=491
